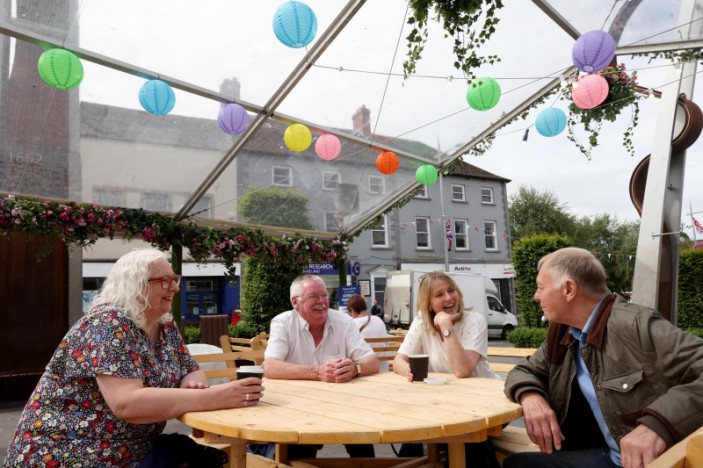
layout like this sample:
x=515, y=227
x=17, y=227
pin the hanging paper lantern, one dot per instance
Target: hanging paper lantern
x=551, y=122
x=60, y=68
x=297, y=137
x=426, y=174
x=294, y=24
x=483, y=93
x=589, y=91
x=233, y=119
x=387, y=162
x=157, y=97
x=593, y=51
x=327, y=147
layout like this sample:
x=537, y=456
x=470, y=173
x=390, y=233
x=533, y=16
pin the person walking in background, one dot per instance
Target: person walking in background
x=369, y=326
x=117, y=376
x=314, y=342
x=376, y=309
x=615, y=384
x=456, y=340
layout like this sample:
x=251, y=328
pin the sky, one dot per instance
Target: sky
x=223, y=39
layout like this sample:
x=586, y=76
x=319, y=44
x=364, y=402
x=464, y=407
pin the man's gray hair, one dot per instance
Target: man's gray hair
x=126, y=285
x=296, y=287
x=579, y=265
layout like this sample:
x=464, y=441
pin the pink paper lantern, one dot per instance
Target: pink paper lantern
x=327, y=147
x=589, y=91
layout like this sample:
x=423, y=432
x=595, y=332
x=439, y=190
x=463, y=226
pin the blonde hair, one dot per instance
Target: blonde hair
x=424, y=298
x=126, y=285
x=578, y=265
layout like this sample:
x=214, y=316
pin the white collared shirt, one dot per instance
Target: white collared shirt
x=290, y=339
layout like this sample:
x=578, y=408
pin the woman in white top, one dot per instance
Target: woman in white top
x=456, y=341
x=370, y=326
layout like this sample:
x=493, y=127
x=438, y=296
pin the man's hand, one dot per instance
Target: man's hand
x=640, y=447
x=541, y=422
x=337, y=370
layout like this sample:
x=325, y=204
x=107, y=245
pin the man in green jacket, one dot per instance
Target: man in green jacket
x=615, y=384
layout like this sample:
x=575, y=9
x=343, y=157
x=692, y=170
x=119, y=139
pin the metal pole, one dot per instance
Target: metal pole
x=444, y=223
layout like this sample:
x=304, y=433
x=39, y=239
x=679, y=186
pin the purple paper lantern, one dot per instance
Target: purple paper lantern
x=593, y=51
x=233, y=119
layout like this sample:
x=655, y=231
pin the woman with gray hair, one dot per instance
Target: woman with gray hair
x=120, y=372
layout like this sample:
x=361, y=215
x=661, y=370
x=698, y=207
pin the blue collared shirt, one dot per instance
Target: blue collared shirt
x=586, y=384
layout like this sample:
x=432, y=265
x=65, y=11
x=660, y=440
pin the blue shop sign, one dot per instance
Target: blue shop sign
x=320, y=269
x=345, y=292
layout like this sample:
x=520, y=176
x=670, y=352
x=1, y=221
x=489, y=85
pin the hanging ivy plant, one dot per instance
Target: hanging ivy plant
x=621, y=95
x=461, y=20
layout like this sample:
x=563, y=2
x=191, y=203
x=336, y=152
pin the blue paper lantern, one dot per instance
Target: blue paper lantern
x=294, y=24
x=551, y=122
x=593, y=51
x=157, y=97
x=233, y=119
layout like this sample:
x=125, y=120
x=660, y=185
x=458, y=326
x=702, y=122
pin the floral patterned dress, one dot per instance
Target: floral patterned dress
x=67, y=422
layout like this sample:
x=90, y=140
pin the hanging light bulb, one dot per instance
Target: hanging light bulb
x=650, y=93
x=450, y=80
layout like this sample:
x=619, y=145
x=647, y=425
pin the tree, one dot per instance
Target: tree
x=534, y=212
x=276, y=206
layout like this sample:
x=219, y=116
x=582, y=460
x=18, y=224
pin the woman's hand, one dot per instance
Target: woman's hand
x=241, y=393
x=443, y=321
x=401, y=366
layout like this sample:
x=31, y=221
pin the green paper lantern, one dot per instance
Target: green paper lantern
x=60, y=68
x=483, y=93
x=426, y=174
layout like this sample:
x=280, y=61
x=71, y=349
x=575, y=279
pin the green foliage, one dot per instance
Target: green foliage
x=461, y=20
x=266, y=291
x=695, y=331
x=191, y=334
x=526, y=337
x=276, y=206
x=526, y=253
x=690, y=307
x=242, y=330
x=534, y=212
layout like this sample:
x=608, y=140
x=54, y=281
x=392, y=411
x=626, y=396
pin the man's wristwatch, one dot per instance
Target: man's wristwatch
x=358, y=369
x=447, y=332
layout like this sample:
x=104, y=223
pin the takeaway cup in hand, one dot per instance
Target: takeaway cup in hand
x=250, y=371
x=418, y=366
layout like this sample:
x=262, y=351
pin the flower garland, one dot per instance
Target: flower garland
x=621, y=94
x=81, y=225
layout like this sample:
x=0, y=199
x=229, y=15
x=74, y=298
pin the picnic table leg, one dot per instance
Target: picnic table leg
x=456, y=456
x=282, y=453
x=238, y=454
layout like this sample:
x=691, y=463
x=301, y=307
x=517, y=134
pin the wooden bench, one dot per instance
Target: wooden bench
x=513, y=440
x=386, y=347
x=253, y=348
x=686, y=454
x=507, y=353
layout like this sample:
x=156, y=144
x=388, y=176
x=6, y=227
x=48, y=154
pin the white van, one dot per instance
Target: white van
x=401, y=295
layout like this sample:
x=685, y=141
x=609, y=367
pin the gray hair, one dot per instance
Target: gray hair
x=126, y=285
x=296, y=287
x=579, y=265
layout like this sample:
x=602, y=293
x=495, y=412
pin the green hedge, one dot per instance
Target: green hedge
x=526, y=337
x=690, y=306
x=695, y=331
x=526, y=253
x=191, y=334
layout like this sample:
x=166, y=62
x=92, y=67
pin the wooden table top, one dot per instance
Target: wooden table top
x=381, y=408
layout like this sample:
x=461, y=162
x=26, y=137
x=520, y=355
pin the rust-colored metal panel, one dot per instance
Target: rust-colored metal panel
x=33, y=310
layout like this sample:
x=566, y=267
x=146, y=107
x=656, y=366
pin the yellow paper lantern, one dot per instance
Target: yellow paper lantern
x=297, y=137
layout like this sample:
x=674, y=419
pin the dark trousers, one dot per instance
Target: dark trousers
x=479, y=455
x=561, y=459
x=171, y=450
x=296, y=452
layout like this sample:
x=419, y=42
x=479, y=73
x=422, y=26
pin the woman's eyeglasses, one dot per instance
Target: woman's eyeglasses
x=166, y=281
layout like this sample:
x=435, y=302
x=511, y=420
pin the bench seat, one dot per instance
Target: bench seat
x=513, y=440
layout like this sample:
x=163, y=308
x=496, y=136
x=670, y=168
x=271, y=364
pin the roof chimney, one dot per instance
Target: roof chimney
x=361, y=121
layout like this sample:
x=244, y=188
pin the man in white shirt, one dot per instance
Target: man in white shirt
x=314, y=342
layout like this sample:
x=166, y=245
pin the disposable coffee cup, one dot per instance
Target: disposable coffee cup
x=250, y=371
x=418, y=366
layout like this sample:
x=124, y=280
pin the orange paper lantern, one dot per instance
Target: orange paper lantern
x=387, y=162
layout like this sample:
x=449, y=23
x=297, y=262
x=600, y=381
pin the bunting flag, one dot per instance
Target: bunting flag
x=697, y=225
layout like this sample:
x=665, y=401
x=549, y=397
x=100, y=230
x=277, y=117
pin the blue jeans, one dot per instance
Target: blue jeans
x=561, y=459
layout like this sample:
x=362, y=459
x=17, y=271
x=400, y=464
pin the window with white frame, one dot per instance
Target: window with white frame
x=422, y=233
x=422, y=193
x=377, y=185
x=203, y=207
x=330, y=180
x=487, y=195
x=331, y=221
x=110, y=197
x=155, y=201
x=379, y=234
x=490, y=234
x=458, y=193
x=461, y=234
x=282, y=176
